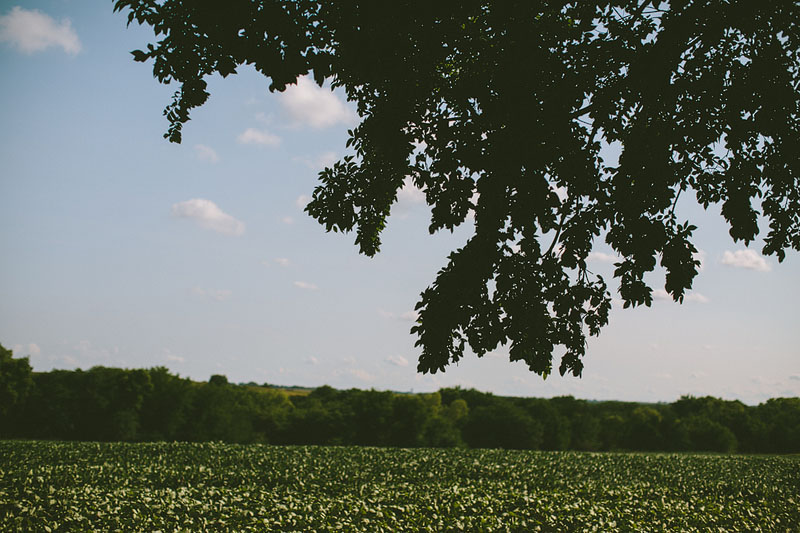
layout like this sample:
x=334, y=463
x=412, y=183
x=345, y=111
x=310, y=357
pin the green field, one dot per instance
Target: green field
x=47, y=486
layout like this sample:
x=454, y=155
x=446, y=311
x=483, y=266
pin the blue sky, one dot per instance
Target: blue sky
x=121, y=249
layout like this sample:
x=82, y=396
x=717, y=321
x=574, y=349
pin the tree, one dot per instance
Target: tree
x=501, y=424
x=16, y=383
x=502, y=109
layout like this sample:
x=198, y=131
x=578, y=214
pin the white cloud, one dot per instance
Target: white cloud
x=397, y=360
x=305, y=285
x=287, y=220
x=476, y=196
x=215, y=294
x=561, y=192
x=692, y=296
x=68, y=359
x=700, y=255
x=315, y=106
x=361, y=374
x=262, y=137
x=169, y=356
x=85, y=351
x=410, y=316
x=33, y=31
x=410, y=194
x=261, y=116
x=661, y=294
x=280, y=261
x=327, y=159
x=21, y=350
x=206, y=153
x=602, y=257
x=302, y=201
x=689, y=296
x=746, y=259
x=208, y=215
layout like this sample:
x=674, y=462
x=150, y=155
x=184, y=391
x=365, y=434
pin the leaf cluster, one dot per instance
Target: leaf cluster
x=500, y=111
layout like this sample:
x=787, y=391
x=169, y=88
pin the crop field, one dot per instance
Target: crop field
x=53, y=486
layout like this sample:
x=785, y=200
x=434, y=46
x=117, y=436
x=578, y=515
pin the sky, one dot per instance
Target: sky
x=122, y=249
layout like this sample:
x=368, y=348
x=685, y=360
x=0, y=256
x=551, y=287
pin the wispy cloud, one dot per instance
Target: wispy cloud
x=602, y=257
x=305, y=286
x=262, y=137
x=410, y=316
x=700, y=255
x=208, y=215
x=215, y=294
x=315, y=106
x=206, y=153
x=24, y=350
x=33, y=31
x=410, y=194
x=171, y=357
x=690, y=296
x=474, y=199
x=280, y=261
x=325, y=159
x=407, y=316
x=361, y=374
x=397, y=360
x=302, y=201
x=747, y=258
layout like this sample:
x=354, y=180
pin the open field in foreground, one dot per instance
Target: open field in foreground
x=54, y=486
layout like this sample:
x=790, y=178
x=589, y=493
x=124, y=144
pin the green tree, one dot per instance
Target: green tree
x=782, y=421
x=164, y=412
x=644, y=429
x=703, y=434
x=501, y=424
x=16, y=382
x=502, y=109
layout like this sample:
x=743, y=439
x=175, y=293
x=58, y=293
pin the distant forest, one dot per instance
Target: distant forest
x=113, y=404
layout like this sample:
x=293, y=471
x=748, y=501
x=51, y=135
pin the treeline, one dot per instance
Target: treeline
x=112, y=404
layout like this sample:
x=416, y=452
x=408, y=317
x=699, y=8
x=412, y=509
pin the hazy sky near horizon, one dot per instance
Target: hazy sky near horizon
x=121, y=249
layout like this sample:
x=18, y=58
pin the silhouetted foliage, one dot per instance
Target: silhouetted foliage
x=15, y=384
x=112, y=404
x=503, y=109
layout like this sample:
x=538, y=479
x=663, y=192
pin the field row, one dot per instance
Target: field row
x=47, y=486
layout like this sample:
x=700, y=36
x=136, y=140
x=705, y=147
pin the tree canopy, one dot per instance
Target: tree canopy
x=507, y=110
x=116, y=404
